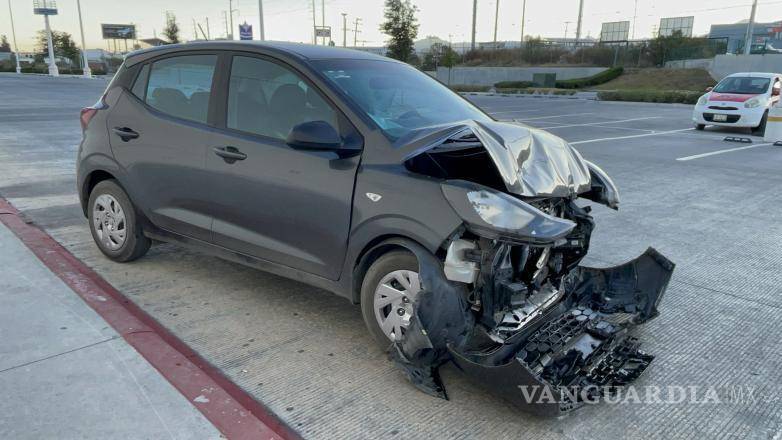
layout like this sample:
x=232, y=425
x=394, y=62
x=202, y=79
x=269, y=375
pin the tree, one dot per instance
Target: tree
x=63, y=44
x=171, y=31
x=440, y=55
x=402, y=26
x=4, y=46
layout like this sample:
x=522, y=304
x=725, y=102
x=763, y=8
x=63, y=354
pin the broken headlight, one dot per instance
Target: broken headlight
x=496, y=215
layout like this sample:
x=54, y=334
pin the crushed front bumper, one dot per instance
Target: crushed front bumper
x=576, y=351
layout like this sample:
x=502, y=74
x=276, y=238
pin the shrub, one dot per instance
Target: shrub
x=594, y=80
x=468, y=88
x=514, y=84
x=662, y=96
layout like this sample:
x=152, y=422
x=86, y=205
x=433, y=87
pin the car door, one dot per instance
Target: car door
x=159, y=135
x=280, y=204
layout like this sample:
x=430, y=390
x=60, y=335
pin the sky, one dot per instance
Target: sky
x=291, y=20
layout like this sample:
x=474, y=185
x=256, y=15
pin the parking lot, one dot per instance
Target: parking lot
x=712, y=207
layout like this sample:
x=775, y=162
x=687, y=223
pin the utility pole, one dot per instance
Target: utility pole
x=86, y=67
x=195, y=30
x=314, y=25
x=13, y=33
x=496, y=20
x=323, y=18
x=635, y=18
x=523, y=20
x=750, y=29
x=260, y=21
x=580, y=16
x=231, y=19
x=344, y=29
x=567, y=24
x=356, y=32
x=474, y=16
x=225, y=22
x=208, y=34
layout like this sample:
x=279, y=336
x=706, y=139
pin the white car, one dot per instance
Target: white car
x=739, y=100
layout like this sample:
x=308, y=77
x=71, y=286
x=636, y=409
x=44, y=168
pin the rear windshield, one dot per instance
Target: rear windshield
x=398, y=97
x=744, y=85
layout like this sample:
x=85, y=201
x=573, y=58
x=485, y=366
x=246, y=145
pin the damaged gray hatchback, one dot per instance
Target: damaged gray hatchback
x=459, y=235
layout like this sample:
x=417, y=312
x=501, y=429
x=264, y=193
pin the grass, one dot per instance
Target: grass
x=658, y=79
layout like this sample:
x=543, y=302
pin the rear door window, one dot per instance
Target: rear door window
x=268, y=99
x=180, y=86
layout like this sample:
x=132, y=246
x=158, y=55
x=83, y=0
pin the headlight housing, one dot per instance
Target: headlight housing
x=753, y=103
x=703, y=100
x=496, y=215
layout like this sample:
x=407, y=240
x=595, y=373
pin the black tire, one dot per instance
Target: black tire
x=700, y=127
x=760, y=130
x=135, y=244
x=394, y=260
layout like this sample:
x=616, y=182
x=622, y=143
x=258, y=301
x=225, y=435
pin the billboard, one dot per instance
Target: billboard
x=615, y=31
x=324, y=32
x=672, y=24
x=44, y=7
x=245, y=31
x=118, y=31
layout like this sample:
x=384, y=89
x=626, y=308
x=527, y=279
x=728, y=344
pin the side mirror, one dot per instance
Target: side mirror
x=709, y=89
x=314, y=135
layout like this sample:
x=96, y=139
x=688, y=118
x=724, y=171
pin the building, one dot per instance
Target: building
x=765, y=36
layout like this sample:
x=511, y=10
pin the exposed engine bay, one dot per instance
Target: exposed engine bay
x=510, y=305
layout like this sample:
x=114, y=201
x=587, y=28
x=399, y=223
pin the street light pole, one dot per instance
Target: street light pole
x=13, y=34
x=496, y=20
x=323, y=18
x=474, y=15
x=260, y=20
x=523, y=20
x=86, y=68
x=314, y=24
x=344, y=29
x=750, y=29
x=53, y=71
x=231, y=19
x=580, y=16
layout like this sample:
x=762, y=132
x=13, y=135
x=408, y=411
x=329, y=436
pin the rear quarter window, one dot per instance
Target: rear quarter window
x=180, y=86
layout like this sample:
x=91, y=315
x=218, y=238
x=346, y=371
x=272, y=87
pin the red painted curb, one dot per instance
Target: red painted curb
x=230, y=409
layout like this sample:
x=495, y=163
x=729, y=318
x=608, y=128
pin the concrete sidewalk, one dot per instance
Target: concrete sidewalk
x=66, y=374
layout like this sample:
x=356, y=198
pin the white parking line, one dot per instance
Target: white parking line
x=605, y=122
x=511, y=111
x=589, y=141
x=728, y=150
x=556, y=116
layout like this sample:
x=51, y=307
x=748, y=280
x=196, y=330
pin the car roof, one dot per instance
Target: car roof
x=755, y=74
x=304, y=52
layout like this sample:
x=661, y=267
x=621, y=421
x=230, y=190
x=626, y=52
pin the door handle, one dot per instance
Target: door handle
x=125, y=133
x=229, y=154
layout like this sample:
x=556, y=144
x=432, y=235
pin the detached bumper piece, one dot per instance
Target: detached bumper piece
x=578, y=348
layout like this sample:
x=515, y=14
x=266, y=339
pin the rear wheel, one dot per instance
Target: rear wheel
x=387, y=295
x=700, y=127
x=113, y=223
x=760, y=130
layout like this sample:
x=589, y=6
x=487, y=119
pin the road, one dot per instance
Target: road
x=711, y=208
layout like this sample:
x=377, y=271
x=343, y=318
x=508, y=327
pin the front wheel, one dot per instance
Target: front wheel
x=113, y=223
x=700, y=127
x=760, y=130
x=387, y=295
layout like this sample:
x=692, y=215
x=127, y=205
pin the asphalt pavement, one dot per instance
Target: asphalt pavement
x=707, y=205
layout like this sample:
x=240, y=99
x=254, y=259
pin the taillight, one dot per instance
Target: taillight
x=86, y=115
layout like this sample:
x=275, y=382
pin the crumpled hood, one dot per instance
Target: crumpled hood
x=531, y=162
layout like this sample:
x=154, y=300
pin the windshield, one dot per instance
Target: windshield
x=398, y=97
x=744, y=85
